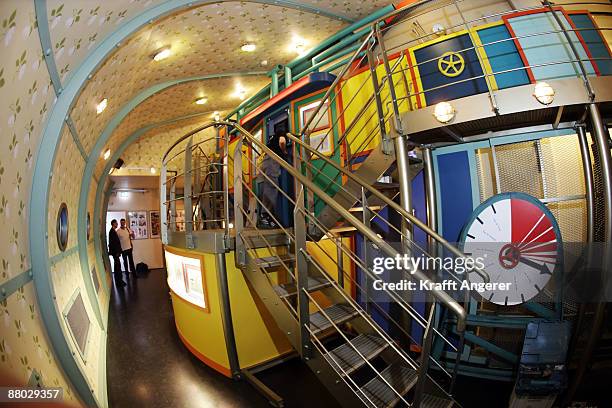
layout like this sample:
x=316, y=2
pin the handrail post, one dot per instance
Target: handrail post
x=163, y=175
x=386, y=147
x=366, y=217
x=188, y=209
x=430, y=192
x=301, y=265
x=238, y=218
x=425, y=353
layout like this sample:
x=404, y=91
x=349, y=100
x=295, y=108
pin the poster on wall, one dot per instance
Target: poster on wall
x=320, y=136
x=138, y=224
x=155, y=226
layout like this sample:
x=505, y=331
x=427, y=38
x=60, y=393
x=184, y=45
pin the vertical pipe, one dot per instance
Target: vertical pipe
x=163, y=197
x=379, y=105
x=430, y=191
x=288, y=77
x=226, y=316
x=340, y=256
x=588, y=180
x=401, y=151
x=197, y=189
x=238, y=218
x=188, y=209
x=274, y=86
x=366, y=217
x=601, y=136
x=173, y=204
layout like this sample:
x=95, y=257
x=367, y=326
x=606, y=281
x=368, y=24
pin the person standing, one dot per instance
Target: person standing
x=270, y=185
x=125, y=237
x=114, y=249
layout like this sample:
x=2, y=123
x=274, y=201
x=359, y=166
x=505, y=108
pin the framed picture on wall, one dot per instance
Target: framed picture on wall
x=155, y=224
x=138, y=224
x=321, y=121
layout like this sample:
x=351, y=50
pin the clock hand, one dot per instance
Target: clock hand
x=543, y=268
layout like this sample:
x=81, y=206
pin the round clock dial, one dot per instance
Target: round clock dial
x=520, y=243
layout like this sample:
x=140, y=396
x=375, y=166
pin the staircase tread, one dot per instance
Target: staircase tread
x=272, y=261
x=348, y=360
x=400, y=375
x=431, y=401
x=289, y=289
x=339, y=313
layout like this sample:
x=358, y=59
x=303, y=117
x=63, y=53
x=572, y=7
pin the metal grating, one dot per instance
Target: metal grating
x=486, y=173
x=347, y=360
x=400, y=376
x=78, y=322
x=314, y=283
x=339, y=313
x=519, y=168
x=431, y=401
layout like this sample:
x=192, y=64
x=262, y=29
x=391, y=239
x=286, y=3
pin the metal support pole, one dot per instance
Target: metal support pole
x=274, y=86
x=588, y=180
x=198, y=189
x=173, y=205
x=600, y=137
x=163, y=175
x=401, y=151
x=288, y=78
x=425, y=353
x=379, y=105
x=340, y=256
x=188, y=177
x=301, y=268
x=430, y=191
x=226, y=316
x=238, y=218
x=366, y=217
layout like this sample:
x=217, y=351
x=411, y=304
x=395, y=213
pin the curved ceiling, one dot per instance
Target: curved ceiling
x=205, y=41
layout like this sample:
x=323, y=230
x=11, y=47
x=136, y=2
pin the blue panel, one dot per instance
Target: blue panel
x=455, y=192
x=432, y=77
x=594, y=42
x=548, y=48
x=503, y=56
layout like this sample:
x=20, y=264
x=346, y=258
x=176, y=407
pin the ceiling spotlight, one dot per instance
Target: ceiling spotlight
x=248, y=47
x=201, y=101
x=101, y=106
x=107, y=154
x=264, y=63
x=299, y=45
x=544, y=93
x=444, y=112
x=438, y=29
x=162, y=54
x=216, y=115
x=240, y=92
x=153, y=170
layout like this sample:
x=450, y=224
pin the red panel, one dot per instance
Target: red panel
x=525, y=216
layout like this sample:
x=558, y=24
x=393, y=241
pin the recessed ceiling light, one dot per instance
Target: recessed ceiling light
x=298, y=45
x=162, y=54
x=101, y=106
x=264, y=62
x=153, y=170
x=216, y=116
x=240, y=92
x=248, y=47
x=201, y=101
x=107, y=154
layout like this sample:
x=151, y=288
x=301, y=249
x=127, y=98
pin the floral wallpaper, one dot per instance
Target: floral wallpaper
x=27, y=95
x=148, y=151
x=203, y=40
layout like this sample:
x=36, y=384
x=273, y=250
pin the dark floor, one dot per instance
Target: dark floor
x=148, y=365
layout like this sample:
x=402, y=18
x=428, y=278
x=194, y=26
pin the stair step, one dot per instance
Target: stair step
x=401, y=376
x=431, y=401
x=339, y=313
x=289, y=289
x=347, y=360
x=274, y=261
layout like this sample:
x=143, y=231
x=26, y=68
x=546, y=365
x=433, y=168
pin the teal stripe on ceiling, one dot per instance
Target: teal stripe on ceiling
x=40, y=8
x=75, y=137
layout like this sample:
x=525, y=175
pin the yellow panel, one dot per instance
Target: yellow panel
x=258, y=338
x=326, y=255
x=202, y=332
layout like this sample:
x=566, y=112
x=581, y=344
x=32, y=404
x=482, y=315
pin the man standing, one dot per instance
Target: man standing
x=114, y=249
x=125, y=237
x=272, y=169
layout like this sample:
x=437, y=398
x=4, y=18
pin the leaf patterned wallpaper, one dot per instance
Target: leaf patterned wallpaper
x=27, y=96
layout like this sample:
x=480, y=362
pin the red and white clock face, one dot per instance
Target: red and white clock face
x=518, y=240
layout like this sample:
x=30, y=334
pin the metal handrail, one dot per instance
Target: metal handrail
x=391, y=204
x=440, y=295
